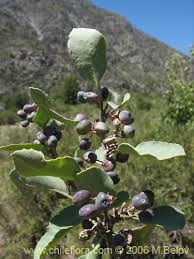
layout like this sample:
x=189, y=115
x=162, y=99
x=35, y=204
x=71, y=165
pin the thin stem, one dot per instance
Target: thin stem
x=102, y=117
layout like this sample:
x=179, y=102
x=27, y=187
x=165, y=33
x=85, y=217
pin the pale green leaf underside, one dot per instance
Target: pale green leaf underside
x=124, y=101
x=158, y=149
x=14, y=147
x=95, y=180
x=112, y=105
x=101, y=153
x=56, y=230
x=88, y=49
x=32, y=163
x=46, y=183
x=94, y=254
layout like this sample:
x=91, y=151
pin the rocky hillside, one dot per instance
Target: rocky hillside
x=33, y=39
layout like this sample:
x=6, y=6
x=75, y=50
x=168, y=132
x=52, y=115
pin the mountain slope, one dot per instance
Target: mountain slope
x=33, y=39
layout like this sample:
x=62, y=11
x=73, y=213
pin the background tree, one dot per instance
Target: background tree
x=71, y=87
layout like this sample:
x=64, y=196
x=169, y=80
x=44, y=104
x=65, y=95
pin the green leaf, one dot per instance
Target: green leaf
x=32, y=163
x=101, y=153
x=40, y=98
x=44, y=112
x=65, y=121
x=14, y=147
x=95, y=180
x=56, y=230
x=158, y=149
x=42, y=117
x=113, y=105
x=168, y=217
x=88, y=49
x=48, y=183
x=94, y=254
x=125, y=99
x=142, y=234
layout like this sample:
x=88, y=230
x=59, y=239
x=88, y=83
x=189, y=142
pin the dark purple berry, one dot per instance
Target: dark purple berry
x=122, y=157
x=30, y=116
x=24, y=123
x=91, y=98
x=81, y=197
x=41, y=137
x=104, y=93
x=88, y=211
x=146, y=216
x=81, y=97
x=109, y=164
x=126, y=117
x=21, y=114
x=143, y=200
x=80, y=117
x=52, y=141
x=90, y=157
x=128, y=131
x=101, y=128
x=85, y=144
x=102, y=201
x=84, y=127
x=28, y=108
x=115, y=178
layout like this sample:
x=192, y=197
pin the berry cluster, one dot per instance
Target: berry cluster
x=143, y=202
x=27, y=114
x=49, y=136
x=122, y=122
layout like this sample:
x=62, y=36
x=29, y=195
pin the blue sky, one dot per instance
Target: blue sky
x=170, y=21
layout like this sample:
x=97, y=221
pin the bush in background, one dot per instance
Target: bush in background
x=180, y=96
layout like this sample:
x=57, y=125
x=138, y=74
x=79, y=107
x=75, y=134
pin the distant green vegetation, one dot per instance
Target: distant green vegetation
x=180, y=94
x=171, y=180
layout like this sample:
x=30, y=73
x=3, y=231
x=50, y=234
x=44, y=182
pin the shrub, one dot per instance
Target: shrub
x=180, y=96
x=71, y=87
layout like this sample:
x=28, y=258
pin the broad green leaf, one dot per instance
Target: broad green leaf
x=125, y=99
x=141, y=234
x=88, y=49
x=40, y=98
x=113, y=105
x=48, y=183
x=65, y=121
x=158, y=149
x=56, y=230
x=101, y=153
x=95, y=180
x=168, y=217
x=42, y=117
x=19, y=182
x=94, y=254
x=44, y=112
x=32, y=163
x=14, y=147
